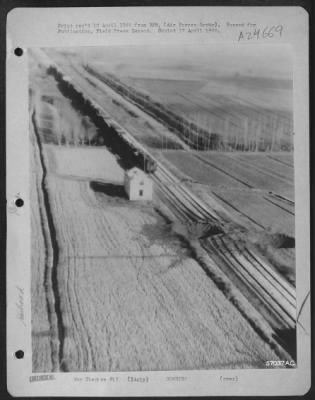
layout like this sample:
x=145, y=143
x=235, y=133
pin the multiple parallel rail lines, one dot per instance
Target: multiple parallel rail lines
x=275, y=294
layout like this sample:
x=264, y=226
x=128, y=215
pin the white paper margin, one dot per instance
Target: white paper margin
x=36, y=27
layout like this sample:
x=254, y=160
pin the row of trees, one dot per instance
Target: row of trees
x=60, y=124
x=260, y=131
x=247, y=129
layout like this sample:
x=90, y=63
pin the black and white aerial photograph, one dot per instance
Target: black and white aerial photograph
x=162, y=207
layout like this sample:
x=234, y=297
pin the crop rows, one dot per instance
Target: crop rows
x=160, y=310
x=212, y=121
x=188, y=205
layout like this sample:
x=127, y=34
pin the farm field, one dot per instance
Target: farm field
x=247, y=113
x=277, y=164
x=105, y=167
x=41, y=334
x=283, y=158
x=142, y=126
x=132, y=276
x=151, y=298
x=248, y=171
x=231, y=113
x=260, y=209
x=213, y=91
x=219, y=123
x=200, y=172
x=236, y=170
x=243, y=192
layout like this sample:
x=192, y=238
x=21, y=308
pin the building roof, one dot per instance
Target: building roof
x=135, y=171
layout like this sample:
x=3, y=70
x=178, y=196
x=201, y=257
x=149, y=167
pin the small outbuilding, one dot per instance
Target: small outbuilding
x=138, y=185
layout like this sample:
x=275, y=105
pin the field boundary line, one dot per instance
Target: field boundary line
x=54, y=243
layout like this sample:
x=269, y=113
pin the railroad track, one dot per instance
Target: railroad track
x=181, y=197
x=183, y=201
x=276, y=295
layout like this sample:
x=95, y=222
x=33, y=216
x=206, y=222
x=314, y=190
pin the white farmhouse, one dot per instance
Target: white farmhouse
x=138, y=185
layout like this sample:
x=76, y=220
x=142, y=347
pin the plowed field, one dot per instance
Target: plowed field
x=114, y=288
x=242, y=182
x=131, y=296
x=41, y=253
